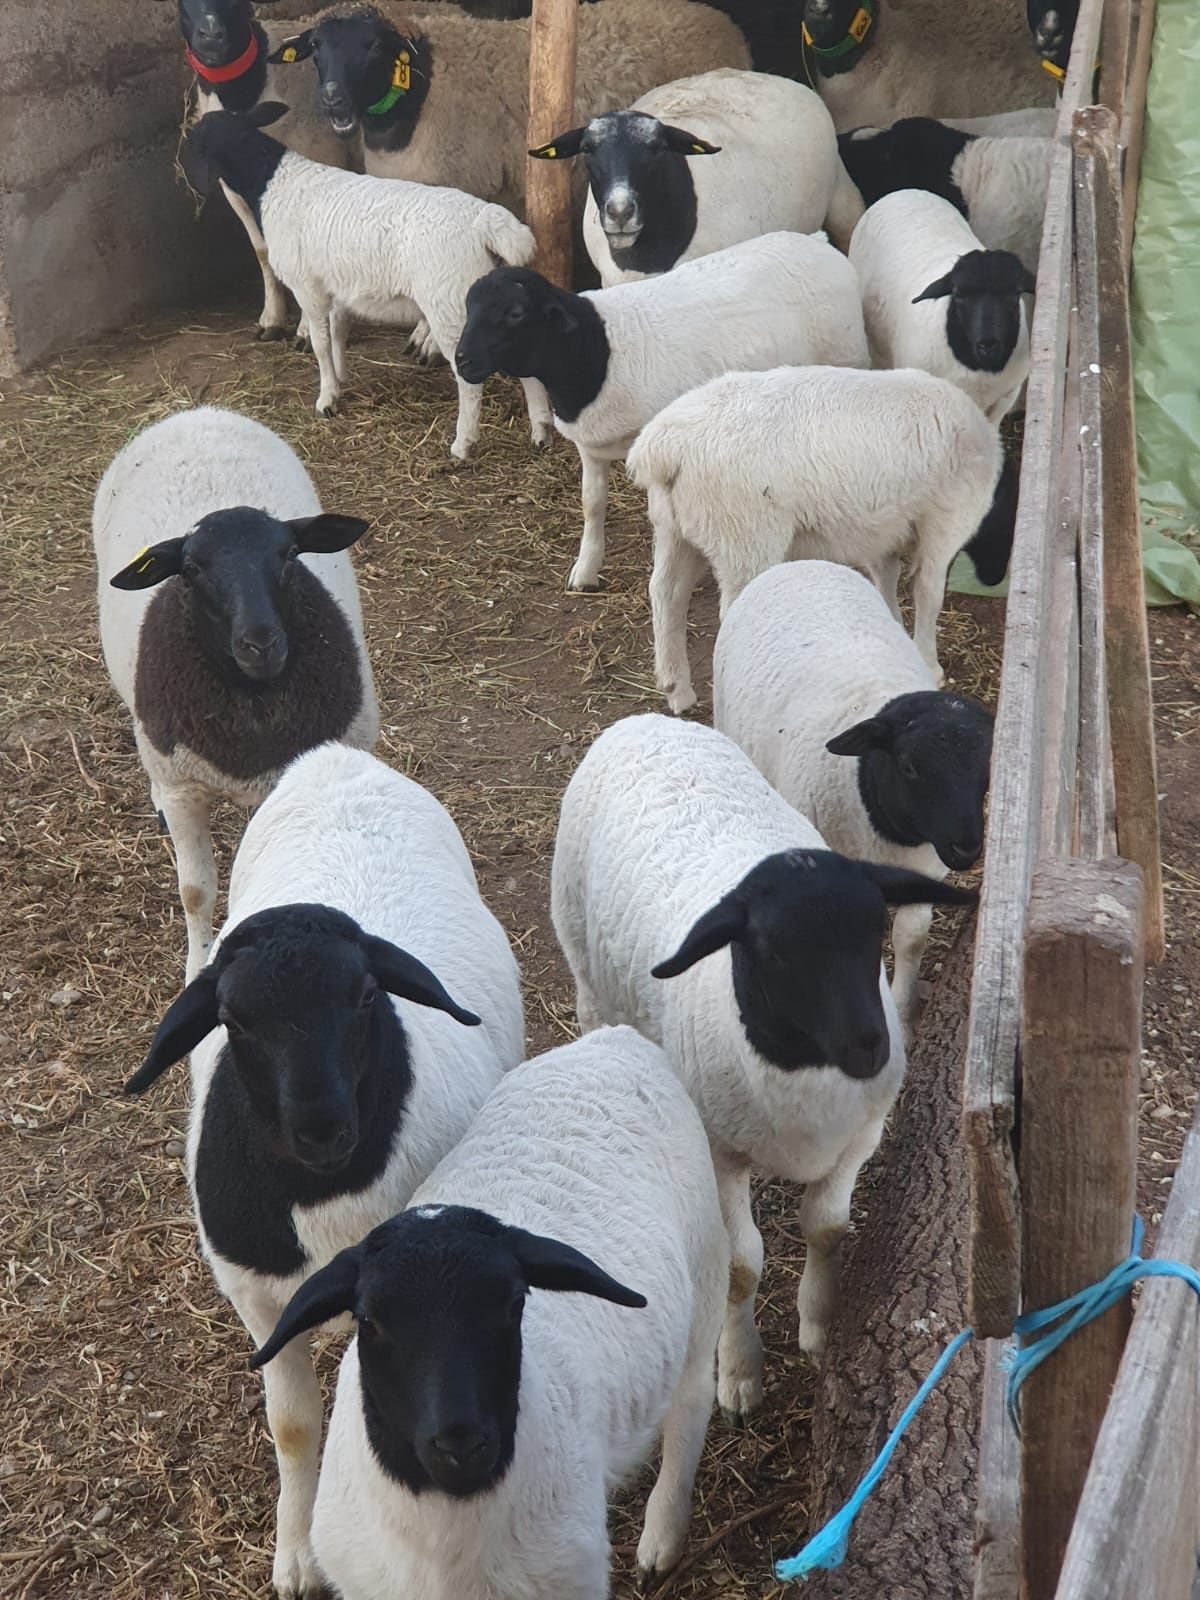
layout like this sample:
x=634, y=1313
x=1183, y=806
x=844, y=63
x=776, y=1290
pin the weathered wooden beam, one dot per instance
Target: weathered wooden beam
x=1115, y=35
x=1126, y=634
x=1138, y=1524
x=1081, y=1055
x=1134, y=120
x=997, y=1488
x=552, y=32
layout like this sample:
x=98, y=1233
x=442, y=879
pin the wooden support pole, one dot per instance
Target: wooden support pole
x=1081, y=1050
x=552, y=33
x=1115, y=30
x=1133, y=124
x=1126, y=634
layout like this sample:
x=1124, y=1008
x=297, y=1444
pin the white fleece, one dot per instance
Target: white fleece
x=596, y=1144
x=858, y=467
x=905, y=242
x=1003, y=181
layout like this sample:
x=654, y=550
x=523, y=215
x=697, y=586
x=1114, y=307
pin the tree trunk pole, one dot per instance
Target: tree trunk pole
x=552, y=33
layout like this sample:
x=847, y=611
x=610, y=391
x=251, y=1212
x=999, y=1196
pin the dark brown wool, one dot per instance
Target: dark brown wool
x=241, y=727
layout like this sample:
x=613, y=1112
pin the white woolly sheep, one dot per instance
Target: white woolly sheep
x=348, y=245
x=443, y=98
x=858, y=467
x=829, y=697
x=229, y=51
x=610, y=359
x=787, y=1038
x=437, y=1468
x=318, y=1104
x=912, y=252
x=651, y=204
x=246, y=657
x=878, y=61
x=998, y=184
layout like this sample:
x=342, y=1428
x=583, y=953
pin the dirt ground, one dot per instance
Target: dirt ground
x=134, y=1460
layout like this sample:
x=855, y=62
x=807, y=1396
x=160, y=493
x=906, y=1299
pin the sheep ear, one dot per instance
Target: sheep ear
x=326, y=1294
x=296, y=48
x=190, y=1018
x=715, y=929
x=900, y=887
x=1028, y=281
x=937, y=290
x=550, y=1264
x=327, y=533
x=562, y=147
x=151, y=566
x=683, y=143
x=262, y=116
x=871, y=734
x=197, y=168
x=401, y=974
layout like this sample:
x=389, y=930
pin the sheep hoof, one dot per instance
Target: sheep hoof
x=680, y=700
x=328, y=409
x=162, y=822
x=270, y=335
x=811, y=1337
x=303, y=344
x=578, y=585
x=460, y=452
x=737, y=1420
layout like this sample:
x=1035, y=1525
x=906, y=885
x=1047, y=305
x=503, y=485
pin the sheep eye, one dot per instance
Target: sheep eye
x=368, y=1328
x=908, y=768
x=514, y=315
x=367, y=999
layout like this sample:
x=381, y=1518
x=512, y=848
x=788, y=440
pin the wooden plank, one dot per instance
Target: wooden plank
x=552, y=36
x=998, y=1495
x=1138, y=1526
x=1095, y=755
x=1127, y=639
x=1081, y=1057
x=1115, y=34
x=1133, y=123
x=989, y=1085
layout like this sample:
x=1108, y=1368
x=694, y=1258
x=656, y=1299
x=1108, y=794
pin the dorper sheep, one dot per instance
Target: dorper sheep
x=611, y=359
x=655, y=196
x=694, y=902
x=502, y=1381
x=230, y=623
x=319, y=1102
x=826, y=693
x=866, y=468
x=439, y=97
x=934, y=298
x=348, y=245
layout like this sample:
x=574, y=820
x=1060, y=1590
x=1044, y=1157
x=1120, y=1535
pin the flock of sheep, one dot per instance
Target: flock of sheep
x=553, y=1265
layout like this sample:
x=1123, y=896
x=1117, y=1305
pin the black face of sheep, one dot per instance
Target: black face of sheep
x=238, y=568
x=923, y=763
x=637, y=169
x=513, y=316
x=438, y=1294
x=914, y=153
x=297, y=990
x=216, y=31
x=368, y=72
x=806, y=929
x=838, y=31
x=1052, y=25
x=983, y=320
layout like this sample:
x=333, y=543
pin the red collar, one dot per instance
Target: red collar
x=234, y=69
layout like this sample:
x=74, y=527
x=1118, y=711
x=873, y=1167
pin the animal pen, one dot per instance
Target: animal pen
x=1097, y=1497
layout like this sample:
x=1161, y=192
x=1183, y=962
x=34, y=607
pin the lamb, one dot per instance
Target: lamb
x=669, y=840
x=506, y=1390
x=856, y=467
x=230, y=624
x=998, y=184
x=231, y=55
x=913, y=250
x=810, y=668
x=652, y=205
x=318, y=1106
x=348, y=245
x=443, y=98
x=875, y=60
x=612, y=358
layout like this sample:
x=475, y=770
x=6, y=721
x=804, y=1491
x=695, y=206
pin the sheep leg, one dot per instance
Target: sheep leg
x=824, y=1218
x=189, y=822
x=272, y=323
x=669, y=1508
x=928, y=590
x=740, y=1351
x=585, y=574
x=318, y=329
x=678, y=568
x=339, y=326
x=737, y=565
x=885, y=575
x=541, y=418
x=910, y=930
x=294, y=1416
x=470, y=413
x=587, y=1007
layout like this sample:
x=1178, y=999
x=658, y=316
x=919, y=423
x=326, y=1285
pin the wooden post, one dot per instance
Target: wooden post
x=1133, y=124
x=1126, y=634
x=1114, y=54
x=552, y=32
x=1081, y=1050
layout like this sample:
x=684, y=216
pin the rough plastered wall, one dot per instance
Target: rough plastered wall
x=94, y=227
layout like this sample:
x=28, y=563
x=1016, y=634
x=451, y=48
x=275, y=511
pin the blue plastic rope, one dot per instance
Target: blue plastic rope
x=827, y=1547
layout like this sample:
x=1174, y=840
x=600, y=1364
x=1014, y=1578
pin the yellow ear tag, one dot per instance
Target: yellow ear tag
x=550, y=151
x=402, y=75
x=807, y=35
x=698, y=150
x=143, y=561
x=289, y=55
x=858, y=28
x=1055, y=71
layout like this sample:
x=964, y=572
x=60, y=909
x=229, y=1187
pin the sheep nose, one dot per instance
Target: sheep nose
x=866, y=1056
x=619, y=209
x=964, y=854
x=322, y=1149
x=460, y=1444
x=988, y=345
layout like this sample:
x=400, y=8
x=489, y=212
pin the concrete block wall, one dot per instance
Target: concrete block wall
x=94, y=226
